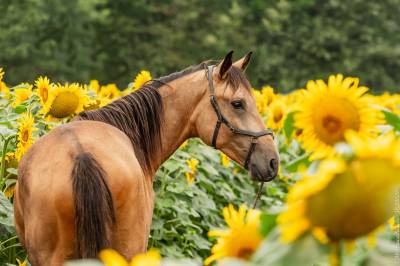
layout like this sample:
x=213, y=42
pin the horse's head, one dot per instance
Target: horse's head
x=229, y=120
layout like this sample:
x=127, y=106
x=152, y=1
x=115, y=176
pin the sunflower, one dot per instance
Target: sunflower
x=94, y=104
x=110, y=91
x=43, y=87
x=241, y=239
x=184, y=144
x=264, y=98
x=261, y=102
x=22, y=93
x=9, y=192
x=150, y=258
x=327, y=111
x=3, y=87
x=94, y=100
x=224, y=159
x=389, y=101
x=268, y=93
x=366, y=185
x=65, y=100
x=4, y=90
x=277, y=112
x=294, y=98
x=11, y=162
x=94, y=84
x=394, y=223
x=112, y=258
x=22, y=263
x=141, y=79
x=25, y=130
x=192, y=164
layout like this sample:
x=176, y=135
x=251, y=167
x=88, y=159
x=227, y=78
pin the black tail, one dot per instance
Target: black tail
x=94, y=211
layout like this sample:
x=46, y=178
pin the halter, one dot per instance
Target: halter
x=222, y=120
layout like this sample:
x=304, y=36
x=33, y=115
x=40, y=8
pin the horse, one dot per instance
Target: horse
x=87, y=184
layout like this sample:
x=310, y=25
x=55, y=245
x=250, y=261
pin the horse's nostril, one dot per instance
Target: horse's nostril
x=273, y=164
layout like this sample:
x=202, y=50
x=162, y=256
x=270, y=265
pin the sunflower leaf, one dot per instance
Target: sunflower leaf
x=6, y=214
x=87, y=262
x=293, y=165
x=5, y=131
x=12, y=171
x=20, y=109
x=392, y=119
x=288, y=126
x=305, y=251
x=268, y=222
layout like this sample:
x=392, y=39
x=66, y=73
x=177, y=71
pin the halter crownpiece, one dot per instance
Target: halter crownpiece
x=222, y=120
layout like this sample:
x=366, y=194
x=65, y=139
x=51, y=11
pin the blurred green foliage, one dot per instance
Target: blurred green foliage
x=111, y=40
x=183, y=214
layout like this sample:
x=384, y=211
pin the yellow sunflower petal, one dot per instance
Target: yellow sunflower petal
x=112, y=258
x=150, y=258
x=141, y=79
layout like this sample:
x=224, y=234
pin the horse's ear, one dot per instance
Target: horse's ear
x=243, y=62
x=225, y=65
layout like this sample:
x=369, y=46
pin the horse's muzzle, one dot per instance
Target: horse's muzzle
x=259, y=176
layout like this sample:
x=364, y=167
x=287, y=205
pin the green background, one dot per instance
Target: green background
x=111, y=40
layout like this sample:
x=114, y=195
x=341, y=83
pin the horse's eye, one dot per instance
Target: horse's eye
x=237, y=104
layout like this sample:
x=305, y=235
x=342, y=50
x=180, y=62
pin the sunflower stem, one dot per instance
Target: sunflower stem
x=3, y=160
x=339, y=250
x=335, y=257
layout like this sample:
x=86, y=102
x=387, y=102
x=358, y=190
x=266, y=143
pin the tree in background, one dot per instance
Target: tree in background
x=111, y=40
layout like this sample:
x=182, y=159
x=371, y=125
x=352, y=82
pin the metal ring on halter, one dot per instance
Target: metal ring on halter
x=222, y=120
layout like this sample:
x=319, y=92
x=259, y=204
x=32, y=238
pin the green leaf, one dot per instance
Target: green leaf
x=293, y=165
x=288, y=126
x=392, y=119
x=6, y=214
x=157, y=224
x=268, y=222
x=20, y=109
x=176, y=188
x=12, y=171
x=5, y=131
x=304, y=251
x=210, y=170
x=201, y=243
x=86, y=262
x=165, y=203
x=172, y=165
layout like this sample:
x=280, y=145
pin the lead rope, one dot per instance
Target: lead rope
x=258, y=195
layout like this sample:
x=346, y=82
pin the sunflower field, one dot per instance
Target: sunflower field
x=336, y=200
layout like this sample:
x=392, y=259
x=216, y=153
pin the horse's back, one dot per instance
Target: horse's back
x=48, y=164
x=45, y=214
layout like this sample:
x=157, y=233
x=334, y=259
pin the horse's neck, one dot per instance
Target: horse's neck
x=181, y=99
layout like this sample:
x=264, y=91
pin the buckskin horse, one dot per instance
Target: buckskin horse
x=87, y=185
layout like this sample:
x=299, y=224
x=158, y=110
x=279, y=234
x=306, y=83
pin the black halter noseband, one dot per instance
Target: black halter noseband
x=222, y=120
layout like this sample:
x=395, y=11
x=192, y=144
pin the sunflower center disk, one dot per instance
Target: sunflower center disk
x=245, y=253
x=278, y=116
x=331, y=124
x=357, y=201
x=45, y=95
x=64, y=105
x=336, y=115
x=25, y=136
